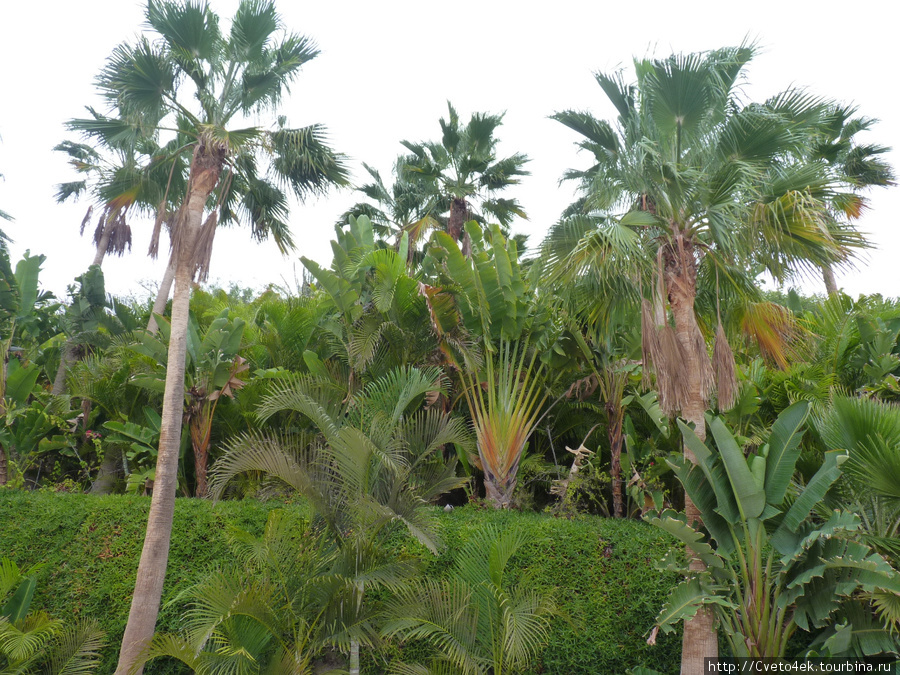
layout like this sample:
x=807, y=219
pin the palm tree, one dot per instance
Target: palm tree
x=691, y=182
x=229, y=76
x=855, y=166
x=406, y=206
x=464, y=166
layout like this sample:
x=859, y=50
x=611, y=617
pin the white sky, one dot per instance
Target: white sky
x=385, y=73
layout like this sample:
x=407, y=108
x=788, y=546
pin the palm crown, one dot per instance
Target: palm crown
x=196, y=82
x=465, y=165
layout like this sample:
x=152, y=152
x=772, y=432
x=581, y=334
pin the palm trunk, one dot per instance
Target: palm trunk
x=162, y=296
x=457, y=220
x=4, y=466
x=830, y=283
x=500, y=493
x=205, y=169
x=106, y=477
x=354, y=657
x=67, y=358
x=700, y=640
x=615, y=414
x=103, y=244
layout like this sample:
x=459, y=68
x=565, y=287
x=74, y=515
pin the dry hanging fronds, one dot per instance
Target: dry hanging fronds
x=649, y=342
x=86, y=219
x=670, y=362
x=161, y=215
x=726, y=377
x=203, y=246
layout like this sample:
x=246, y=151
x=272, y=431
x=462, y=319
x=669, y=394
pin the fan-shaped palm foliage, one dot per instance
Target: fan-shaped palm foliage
x=463, y=167
x=363, y=462
x=477, y=620
x=407, y=205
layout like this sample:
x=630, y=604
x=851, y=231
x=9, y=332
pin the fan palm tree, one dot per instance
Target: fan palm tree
x=693, y=183
x=855, y=166
x=463, y=167
x=227, y=77
x=404, y=206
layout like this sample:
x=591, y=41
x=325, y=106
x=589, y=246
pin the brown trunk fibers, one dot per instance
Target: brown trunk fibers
x=680, y=274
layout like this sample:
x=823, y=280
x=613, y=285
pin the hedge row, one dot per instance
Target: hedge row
x=600, y=571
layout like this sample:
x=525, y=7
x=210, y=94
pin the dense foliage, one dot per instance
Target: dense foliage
x=596, y=569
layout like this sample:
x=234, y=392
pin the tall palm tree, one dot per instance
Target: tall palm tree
x=227, y=77
x=857, y=167
x=691, y=182
x=464, y=167
x=404, y=206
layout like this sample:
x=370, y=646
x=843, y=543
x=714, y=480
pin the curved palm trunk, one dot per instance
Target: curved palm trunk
x=828, y=277
x=162, y=296
x=700, y=640
x=103, y=244
x=69, y=356
x=205, y=169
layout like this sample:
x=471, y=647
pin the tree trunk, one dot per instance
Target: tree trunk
x=700, y=640
x=106, y=476
x=457, y=220
x=499, y=494
x=103, y=244
x=205, y=169
x=615, y=415
x=162, y=296
x=354, y=657
x=4, y=466
x=67, y=358
x=830, y=283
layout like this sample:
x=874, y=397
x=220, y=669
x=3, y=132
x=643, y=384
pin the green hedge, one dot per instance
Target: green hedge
x=601, y=572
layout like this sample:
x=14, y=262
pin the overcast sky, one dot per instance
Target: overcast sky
x=385, y=73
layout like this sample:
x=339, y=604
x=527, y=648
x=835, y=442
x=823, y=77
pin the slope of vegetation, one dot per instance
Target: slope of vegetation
x=601, y=572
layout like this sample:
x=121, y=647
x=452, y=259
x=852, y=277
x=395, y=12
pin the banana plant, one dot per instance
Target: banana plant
x=378, y=319
x=771, y=567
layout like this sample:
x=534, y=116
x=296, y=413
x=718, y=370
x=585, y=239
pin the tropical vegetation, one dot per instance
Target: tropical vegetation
x=428, y=456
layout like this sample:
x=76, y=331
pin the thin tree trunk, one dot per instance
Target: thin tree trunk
x=699, y=640
x=354, y=657
x=830, y=283
x=205, y=168
x=162, y=296
x=67, y=358
x=4, y=466
x=615, y=415
x=106, y=476
x=103, y=244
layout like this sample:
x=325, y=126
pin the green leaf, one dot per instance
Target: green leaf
x=749, y=493
x=813, y=494
x=784, y=449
